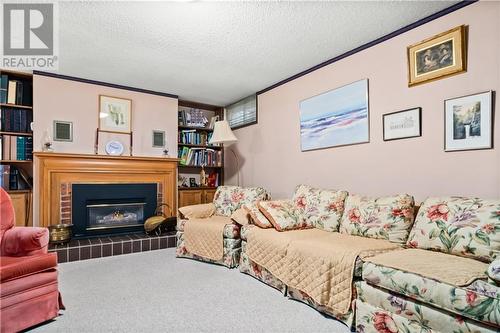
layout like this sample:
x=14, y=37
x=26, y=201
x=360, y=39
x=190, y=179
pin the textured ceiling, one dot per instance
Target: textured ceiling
x=218, y=52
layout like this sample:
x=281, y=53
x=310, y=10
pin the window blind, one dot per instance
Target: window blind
x=243, y=112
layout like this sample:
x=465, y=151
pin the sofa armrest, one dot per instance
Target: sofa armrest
x=197, y=211
x=25, y=241
x=494, y=271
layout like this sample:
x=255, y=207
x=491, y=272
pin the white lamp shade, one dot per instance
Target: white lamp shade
x=222, y=133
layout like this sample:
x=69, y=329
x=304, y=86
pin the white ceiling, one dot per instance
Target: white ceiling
x=218, y=52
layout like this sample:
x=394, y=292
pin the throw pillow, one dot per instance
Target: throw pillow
x=283, y=215
x=468, y=227
x=256, y=215
x=385, y=218
x=240, y=216
x=322, y=208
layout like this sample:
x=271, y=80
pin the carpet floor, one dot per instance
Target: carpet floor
x=156, y=292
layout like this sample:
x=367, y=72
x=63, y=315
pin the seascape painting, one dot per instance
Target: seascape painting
x=335, y=118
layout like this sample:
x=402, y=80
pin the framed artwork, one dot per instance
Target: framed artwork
x=63, y=131
x=115, y=114
x=437, y=57
x=338, y=117
x=468, y=122
x=402, y=124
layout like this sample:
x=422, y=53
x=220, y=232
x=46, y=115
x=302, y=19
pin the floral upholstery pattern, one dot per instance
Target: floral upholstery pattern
x=468, y=227
x=249, y=267
x=321, y=208
x=494, y=271
x=479, y=300
x=284, y=215
x=300, y=296
x=231, y=230
x=380, y=311
x=387, y=218
x=227, y=199
x=256, y=215
x=244, y=231
x=231, y=253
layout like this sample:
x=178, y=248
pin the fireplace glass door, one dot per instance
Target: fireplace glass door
x=114, y=215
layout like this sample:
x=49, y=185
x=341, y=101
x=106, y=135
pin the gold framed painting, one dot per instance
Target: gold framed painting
x=437, y=57
x=115, y=114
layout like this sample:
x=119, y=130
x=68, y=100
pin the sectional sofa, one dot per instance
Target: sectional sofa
x=439, y=276
x=376, y=264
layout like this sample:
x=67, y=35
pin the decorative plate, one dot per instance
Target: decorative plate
x=114, y=148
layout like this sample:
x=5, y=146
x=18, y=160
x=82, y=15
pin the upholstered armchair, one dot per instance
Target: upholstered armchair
x=214, y=221
x=29, y=292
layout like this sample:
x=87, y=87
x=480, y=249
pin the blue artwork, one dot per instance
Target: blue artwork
x=336, y=118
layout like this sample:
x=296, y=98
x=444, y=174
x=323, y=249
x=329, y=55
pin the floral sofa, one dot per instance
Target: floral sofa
x=227, y=200
x=465, y=232
x=388, y=219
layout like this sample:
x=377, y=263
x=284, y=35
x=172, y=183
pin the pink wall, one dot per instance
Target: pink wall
x=270, y=151
x=57, y=99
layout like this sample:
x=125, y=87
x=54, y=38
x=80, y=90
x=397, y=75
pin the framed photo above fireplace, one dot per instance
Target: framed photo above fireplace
x=115, y=114
x=468, y=122
x=402, y=124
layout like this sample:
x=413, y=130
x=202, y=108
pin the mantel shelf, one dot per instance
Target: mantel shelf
x=99, y=157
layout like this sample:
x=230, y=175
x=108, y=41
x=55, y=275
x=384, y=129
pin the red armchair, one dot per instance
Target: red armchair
x=29, y=293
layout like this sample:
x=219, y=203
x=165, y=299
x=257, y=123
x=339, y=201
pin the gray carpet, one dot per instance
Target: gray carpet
x=154, y=291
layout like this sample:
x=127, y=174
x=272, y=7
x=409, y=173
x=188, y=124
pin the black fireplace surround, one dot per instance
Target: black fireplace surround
x=110, y=209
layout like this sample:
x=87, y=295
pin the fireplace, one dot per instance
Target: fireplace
x=105, y=209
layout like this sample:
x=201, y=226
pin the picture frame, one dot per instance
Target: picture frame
x=437, y=57
x=468, y=122
x=158, y=139
x=63, y=131
x=335, y=118
x=115, y=114
x=402, y=124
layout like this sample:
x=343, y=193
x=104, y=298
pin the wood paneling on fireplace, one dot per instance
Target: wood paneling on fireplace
x=55, y=169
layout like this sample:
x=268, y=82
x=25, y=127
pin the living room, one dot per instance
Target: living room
x=198, y=166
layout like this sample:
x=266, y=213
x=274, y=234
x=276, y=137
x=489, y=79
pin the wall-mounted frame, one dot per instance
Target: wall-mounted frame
x=402, y=124
x=437, y=57
x=63, y=131
x=338, y=117
x=468, y=122
x=158, y=139
x=115, y=114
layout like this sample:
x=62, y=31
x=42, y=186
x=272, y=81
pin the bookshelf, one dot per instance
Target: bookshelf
x=16, y=141
x=194, y=151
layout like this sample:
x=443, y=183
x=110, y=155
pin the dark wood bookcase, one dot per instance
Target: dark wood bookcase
x=198, y=195
x=21, y=198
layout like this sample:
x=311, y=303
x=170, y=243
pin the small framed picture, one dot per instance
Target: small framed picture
x=192, y=182
x=468, y=122
x=402, y=124
x=115, y=114
x=437, y=57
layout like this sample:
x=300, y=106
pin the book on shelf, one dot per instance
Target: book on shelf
x=192, y=117
x=16, y=148
x=4, y=84
x=199, y=157
x=192, y=137
x=16, y=91
x=12, y=178
x=15, y=119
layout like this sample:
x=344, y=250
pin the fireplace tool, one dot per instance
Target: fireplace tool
x=159, y=223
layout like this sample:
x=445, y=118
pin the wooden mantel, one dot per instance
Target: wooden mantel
x=53, y=170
